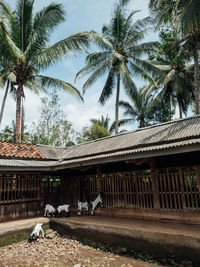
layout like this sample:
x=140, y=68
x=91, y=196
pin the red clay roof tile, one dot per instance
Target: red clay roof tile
x=11, y=150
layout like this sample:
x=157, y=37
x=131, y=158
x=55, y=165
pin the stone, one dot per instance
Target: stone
x=50, y=236
x=48, y=231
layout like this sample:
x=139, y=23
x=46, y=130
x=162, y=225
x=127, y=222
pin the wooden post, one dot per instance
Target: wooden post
x=99, y=176
x=154, y=178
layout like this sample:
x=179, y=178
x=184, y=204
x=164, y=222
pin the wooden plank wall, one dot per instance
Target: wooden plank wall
x=20, y=195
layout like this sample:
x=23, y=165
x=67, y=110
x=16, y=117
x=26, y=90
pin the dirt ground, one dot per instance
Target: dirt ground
x=62, y=252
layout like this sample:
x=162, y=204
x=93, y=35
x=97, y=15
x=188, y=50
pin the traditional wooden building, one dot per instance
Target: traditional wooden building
x=152, y=173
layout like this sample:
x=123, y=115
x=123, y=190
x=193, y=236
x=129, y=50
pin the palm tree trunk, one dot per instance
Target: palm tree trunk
x=4, y=101
x=142, y=122
x=117, y=105
x=22, y=121
x=180, y=112
x=196, y=77
x=18, y=132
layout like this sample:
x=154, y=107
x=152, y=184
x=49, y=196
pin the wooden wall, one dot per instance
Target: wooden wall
x=20, y=195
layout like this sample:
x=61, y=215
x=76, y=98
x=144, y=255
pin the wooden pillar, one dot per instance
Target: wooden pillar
x=99, y=176
x=154, y=178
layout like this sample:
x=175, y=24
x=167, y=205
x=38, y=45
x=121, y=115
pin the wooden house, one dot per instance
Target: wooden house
x=151, y=173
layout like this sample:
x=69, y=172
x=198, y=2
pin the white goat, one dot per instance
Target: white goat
x=36, y=233
x=96, y=202
x=82, y=205
x=63, y=207
x=49, y=209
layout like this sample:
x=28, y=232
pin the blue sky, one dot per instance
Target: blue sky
x=82, y=15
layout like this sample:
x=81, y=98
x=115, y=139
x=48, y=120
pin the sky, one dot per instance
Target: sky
x=81, y=15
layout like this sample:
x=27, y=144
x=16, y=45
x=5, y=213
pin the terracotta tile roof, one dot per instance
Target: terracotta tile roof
x=25, y=151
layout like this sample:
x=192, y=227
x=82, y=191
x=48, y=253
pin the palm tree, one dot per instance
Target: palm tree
x=25, y=51
x=176, y=75
x=145, y=109
x=103, y=122
x=137, y=108
x=120, y=56
x=186, y=15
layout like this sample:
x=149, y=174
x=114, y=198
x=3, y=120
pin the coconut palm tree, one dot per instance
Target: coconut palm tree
x=144, y=108
x=137, y=108
x=25, y=51
x=120, y=56
x=185, y=14
x=176, y=75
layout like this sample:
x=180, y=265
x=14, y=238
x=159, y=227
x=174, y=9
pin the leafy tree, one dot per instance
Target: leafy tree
x=120, y=56
x=25, y=50
x=52, y=127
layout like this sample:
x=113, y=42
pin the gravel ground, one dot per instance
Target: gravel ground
x=62, y=252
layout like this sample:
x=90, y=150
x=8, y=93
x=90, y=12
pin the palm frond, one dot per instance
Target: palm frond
x=99, y=40
x=108, y=87
x=59, y=84
x=71, y=44
x=88, y=69
x=44, y=23
x=95, y=75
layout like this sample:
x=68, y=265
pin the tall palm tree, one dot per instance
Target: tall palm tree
x=25, y=50
x=120, y=56
x=185, y=14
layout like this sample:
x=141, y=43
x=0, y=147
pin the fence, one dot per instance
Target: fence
x=19, y=188
x=165, y=189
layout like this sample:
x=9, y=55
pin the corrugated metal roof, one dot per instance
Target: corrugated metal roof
x=26, y=163
x=134, y=152
x=51, y=152
x=159, y=134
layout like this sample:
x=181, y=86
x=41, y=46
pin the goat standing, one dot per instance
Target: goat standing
x=63, y=208
x=82, y=205
x=96, y=202
x=49, y=209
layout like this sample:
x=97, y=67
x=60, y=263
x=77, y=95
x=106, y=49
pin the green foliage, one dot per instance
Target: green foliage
x=170, y=47
x=144, y=109
x=52, y=127
x=8, y=134
x=98, y=129
x=158, y=112
x=175, y=81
